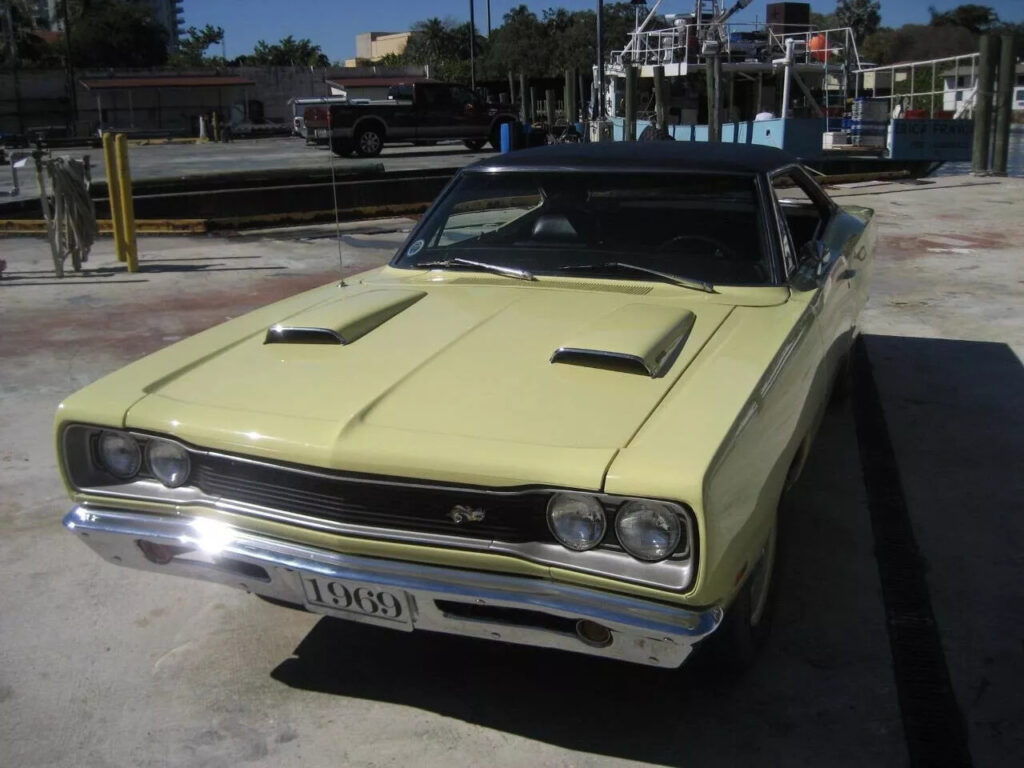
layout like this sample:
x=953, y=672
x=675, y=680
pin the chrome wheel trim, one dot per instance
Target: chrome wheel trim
x=369, y=141
x=760, y=580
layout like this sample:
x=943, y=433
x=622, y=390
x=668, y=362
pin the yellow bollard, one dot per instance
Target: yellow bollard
x=114, y=194
x=124, y=178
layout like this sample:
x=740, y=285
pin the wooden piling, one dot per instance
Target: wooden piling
x=533, y=105
x=1004, y=103
x=629, y=128
x=988, y=51
x=526, y=110
x=660, y=108
x=549, y=105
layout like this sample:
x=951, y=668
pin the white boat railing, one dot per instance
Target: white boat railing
x=933, y=86
x=681, y=43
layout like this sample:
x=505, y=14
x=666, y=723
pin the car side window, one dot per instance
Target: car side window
x=804, y=211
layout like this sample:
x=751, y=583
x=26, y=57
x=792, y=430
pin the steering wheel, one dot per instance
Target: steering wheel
x=717, y=248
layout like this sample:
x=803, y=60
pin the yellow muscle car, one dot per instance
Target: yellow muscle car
x=563, y=415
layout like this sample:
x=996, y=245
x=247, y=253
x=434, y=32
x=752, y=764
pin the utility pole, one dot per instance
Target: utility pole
x=12, y=49
x=472, y=45
x=488, y=19
x=69, y=69
x=599, y=101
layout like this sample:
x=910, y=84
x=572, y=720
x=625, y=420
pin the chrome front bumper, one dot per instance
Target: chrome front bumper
x=514, y=609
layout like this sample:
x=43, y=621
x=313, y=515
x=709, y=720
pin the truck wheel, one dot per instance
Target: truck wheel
x=369, y=141
x=341, y=147
x=474, y=145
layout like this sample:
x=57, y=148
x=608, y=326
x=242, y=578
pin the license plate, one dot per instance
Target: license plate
x=359, y=602
x=321, y=133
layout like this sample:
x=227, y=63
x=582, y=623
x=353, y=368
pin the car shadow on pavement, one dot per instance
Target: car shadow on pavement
x=954, y=413
x=820, y=694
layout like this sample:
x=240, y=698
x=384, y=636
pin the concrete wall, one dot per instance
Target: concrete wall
x=43, y=100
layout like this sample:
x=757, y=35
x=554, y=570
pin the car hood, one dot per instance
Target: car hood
x=458, y=378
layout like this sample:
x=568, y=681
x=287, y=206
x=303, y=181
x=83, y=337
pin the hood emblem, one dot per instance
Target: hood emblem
x=460, y=514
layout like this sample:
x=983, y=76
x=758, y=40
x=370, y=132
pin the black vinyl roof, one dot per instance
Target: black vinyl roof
x=641, y=156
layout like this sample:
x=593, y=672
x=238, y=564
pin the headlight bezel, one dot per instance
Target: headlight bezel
x=611, y=540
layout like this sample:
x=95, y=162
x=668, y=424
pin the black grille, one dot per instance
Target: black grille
x=511, y=518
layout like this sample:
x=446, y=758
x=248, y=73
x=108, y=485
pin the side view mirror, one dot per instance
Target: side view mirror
x=811, y=265
x=812, y=255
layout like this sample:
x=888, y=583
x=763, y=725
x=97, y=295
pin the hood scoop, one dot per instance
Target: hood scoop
x=637, y=338
x=344, y=320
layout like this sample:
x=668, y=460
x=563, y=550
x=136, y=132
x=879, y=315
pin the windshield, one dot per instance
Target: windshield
x=702, y=227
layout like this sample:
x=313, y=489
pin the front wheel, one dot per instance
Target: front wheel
x=474, y=145
x=369, y=142
x=744, y=630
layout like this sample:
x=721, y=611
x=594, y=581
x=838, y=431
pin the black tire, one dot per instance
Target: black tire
x=369, y=141
x=475, y=145
x=743, y=632
x=342, y=147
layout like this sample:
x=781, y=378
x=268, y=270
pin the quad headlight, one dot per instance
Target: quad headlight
x=576, y=520
x=168, y=462
x=119, y=454
x=648, y=530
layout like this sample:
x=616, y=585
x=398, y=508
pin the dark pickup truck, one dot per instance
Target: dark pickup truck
x=420, y=113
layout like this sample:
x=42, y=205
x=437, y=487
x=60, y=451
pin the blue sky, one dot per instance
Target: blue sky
x=333, y=24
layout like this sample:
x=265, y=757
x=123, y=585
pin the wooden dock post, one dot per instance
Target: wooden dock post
x=549, y=106
x=988, y=50
x=660, y=108
x=525, y=110
x=532, y=114
x=571, y=105
x=1004, y=102
x=629, y=127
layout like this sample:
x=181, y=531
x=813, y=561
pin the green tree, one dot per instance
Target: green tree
x=976, y=18
x=116, y=33
x=518, y=45
x=824, y=20
x=32, y=50
x=288, y=52
x=192, y=47
x=862, y=16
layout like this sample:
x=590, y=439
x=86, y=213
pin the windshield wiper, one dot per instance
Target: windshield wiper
x=519, y=274
x=685, y=282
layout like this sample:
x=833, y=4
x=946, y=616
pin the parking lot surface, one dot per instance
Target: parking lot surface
x=104, y=666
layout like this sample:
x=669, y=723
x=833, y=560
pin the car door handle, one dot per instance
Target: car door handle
x=847, y=274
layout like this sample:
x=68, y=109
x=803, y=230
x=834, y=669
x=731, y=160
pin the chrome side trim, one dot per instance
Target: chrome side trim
x=643, y=631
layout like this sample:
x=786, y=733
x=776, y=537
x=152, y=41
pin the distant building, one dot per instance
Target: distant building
x=374, y=46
